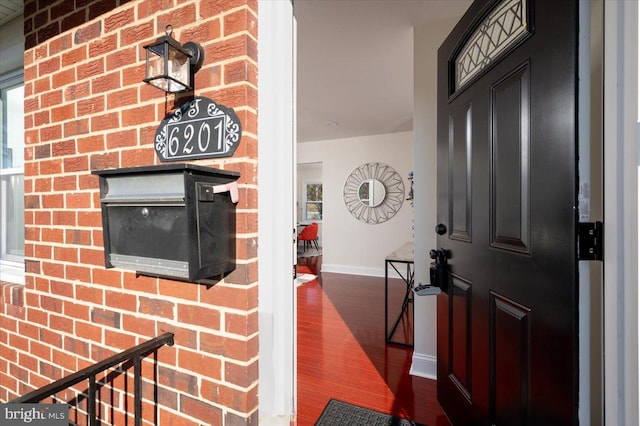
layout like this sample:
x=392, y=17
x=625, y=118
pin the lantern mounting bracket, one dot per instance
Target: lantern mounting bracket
x=197, y=55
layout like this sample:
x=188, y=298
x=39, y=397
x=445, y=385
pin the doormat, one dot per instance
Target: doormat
x=338, y=413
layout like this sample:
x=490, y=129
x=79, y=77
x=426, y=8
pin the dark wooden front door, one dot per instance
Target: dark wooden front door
x=508, y=324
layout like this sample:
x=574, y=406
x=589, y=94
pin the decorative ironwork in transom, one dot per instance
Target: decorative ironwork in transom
x=505, y=26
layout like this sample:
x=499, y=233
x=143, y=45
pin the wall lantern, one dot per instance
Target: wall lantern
x=170, y=65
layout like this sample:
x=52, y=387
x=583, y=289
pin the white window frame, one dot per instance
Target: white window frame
x=11, y=266
x=305, y=184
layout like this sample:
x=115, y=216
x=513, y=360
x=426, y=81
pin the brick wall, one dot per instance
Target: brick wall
x=86, y=109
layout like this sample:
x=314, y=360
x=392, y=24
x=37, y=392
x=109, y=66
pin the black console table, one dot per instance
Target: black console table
x=402, y=261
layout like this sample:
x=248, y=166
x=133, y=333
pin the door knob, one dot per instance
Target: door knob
x=441, y=229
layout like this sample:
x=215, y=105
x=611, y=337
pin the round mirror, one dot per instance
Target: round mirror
x=371, y=192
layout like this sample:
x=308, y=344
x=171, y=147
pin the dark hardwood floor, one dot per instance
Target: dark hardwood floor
x=342, y=352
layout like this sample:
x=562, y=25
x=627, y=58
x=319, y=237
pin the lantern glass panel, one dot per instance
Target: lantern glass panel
x=178, y=70
x=155, y=63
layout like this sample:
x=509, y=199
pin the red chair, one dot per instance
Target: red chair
x=309, y=236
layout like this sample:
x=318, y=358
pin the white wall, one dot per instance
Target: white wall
x=350, y=246
x=427, y=40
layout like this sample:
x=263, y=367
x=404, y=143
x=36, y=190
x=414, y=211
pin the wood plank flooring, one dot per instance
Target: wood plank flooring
x=342, y=352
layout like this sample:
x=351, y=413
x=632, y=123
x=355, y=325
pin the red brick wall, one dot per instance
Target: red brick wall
x=86, y=108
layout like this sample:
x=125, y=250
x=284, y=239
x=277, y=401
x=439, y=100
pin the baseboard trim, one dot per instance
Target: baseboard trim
x=265, y=419
x=358, y=270
x=353, y=270
x=424, y=366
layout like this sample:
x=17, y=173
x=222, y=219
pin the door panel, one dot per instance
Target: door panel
x=460, y=173
x=510, y=161
x=507, y=328
x=510, y=355
x=460, y=337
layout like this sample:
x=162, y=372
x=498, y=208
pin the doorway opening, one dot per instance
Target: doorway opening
x=355, y=105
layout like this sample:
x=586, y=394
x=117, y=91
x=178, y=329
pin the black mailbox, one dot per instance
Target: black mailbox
x=170, y=220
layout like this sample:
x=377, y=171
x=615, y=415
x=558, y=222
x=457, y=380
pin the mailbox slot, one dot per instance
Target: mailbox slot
x=175, y=220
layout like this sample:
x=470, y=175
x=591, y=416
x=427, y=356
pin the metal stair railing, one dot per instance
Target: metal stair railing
x=135, y=354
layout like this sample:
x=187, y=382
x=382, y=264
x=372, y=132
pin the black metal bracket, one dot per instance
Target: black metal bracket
x=590, y=241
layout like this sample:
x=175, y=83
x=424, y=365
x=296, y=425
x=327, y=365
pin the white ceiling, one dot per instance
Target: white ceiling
x=355, y=64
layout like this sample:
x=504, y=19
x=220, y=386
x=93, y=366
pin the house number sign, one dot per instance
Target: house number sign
x=198, y=129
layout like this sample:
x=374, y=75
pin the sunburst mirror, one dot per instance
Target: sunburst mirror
x=373, y=193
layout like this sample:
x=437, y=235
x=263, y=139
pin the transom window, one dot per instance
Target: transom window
x=502, y=29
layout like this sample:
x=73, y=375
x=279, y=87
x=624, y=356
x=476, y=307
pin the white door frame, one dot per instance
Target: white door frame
x=276, y=212
x=620, y=213
x=276, y=129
